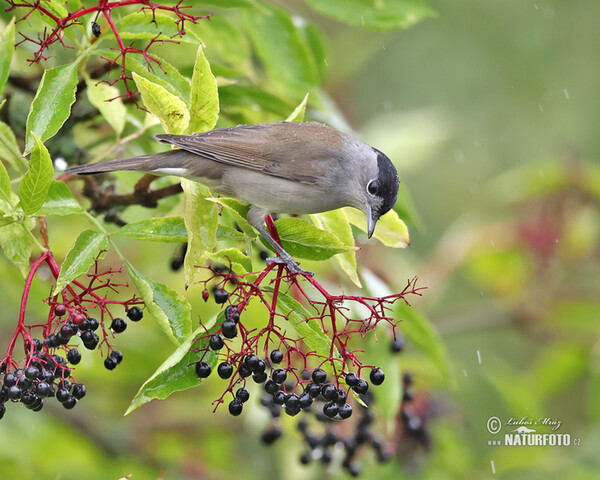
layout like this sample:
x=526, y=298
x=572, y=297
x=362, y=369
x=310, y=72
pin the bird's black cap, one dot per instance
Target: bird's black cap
x=388, y=182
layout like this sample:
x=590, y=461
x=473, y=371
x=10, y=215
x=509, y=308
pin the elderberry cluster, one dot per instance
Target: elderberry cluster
x=47, y=374
x=293, y=395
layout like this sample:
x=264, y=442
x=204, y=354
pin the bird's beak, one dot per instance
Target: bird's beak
x=372, y=218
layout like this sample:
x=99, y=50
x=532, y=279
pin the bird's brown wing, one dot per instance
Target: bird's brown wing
x=294, y=151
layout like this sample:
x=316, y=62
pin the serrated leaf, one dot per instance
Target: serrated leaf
x=170, y=309
x=163, y=229
x=87, y=248
x=303, y=240
x=337, y=223
x=59, y=201
x=9, y=148
x=374, y=14
x=423, y=335
x=201, y=217
x=113, y=111
x=298, y=114
x=390, y=229
x=282, y=49
x=17, y=245
x=240, y=263
x=204, y=99
x=34, y=186
x=168, y=108
x=51, y=106
x=170, y=78
x=4, y=184
x=177, y=372
x=7, y=46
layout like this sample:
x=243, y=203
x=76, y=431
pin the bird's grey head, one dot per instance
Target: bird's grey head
x=381, y=191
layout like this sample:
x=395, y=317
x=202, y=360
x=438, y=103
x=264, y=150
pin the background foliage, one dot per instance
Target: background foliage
x=487, y=111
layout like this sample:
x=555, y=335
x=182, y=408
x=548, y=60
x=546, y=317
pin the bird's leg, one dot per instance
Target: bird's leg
x=282, y=255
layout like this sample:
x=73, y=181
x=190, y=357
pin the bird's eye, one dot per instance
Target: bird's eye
x=373, y=187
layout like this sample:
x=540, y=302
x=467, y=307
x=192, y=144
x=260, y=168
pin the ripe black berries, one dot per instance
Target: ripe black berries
x=276, y=356
x=216, y=342
x=377, y=376
x=225, y=369
x=118, y=325
x=220, y=295
x=135, y=314
x=319, y=375
x=203, y=369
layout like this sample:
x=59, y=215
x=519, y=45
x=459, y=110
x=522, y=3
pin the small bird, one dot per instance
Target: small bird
x=285, y=167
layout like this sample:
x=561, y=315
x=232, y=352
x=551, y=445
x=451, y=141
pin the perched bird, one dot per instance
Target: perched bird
x=285, y=167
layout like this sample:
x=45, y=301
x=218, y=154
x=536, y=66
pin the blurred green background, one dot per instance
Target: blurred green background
x=489, y=112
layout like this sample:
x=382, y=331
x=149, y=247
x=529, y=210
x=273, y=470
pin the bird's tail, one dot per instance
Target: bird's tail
x=173, y=159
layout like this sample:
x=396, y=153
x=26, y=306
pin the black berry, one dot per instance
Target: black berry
x=361, y=386
x=229, y=329
x=117, y=355
x=110, y=363
x=276, y=356
x=135, y=314
x=96, y=30
x=331, y=409
x=118, y=325
x=216, y=342
x=345, y=411
x=93, y=324
x=279, y=375
x=377, y=376
x=242, y=395
x=203, y=369
x=221, y=296
x=271, y=387
x=329, y=392
x=319, y=375
x=32, y=373
x=79, y=391
x=225, y=369
x=351, y=379
x=74, y=356
x=235, y=407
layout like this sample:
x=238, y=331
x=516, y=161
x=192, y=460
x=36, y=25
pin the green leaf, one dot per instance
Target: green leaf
x=4, y=184
x=282, y=49
x=201, y=218
x=298, y=114
x=239, y=213
x=303, y=240
x=337, y=223
x=60, y=201
x=4, y=220
x=34, y=186
x=104, y=98
x=17, y=245
x=9, y=148
x=88, y=246
x=240, y=263
x=390, y=230
x=170, y=309
x=51, y=106
x=136, y=26
x=163, y=229
x=423, y=335
x=375, y=14
x=253, y=98
x=204, y=100
x=167, y=76
x=168, y=108
x=7, y=46
x=177, y=372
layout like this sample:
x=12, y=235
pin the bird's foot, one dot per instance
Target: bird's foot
x=292, y=265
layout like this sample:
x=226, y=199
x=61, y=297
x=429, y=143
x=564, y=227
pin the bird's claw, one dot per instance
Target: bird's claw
x=292, y=265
